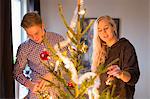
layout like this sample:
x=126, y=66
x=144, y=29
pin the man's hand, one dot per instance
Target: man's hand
x=41, y=85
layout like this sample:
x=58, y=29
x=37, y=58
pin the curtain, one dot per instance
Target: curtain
x=6, y=53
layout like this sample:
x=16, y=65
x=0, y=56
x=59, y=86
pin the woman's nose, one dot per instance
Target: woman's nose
x=103, y=31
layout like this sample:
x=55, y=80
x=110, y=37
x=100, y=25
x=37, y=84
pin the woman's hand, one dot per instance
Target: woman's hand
x=114, y=70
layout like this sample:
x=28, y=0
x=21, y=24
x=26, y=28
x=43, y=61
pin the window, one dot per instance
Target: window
x=19, y=8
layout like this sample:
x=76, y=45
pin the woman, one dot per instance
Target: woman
x=107, y=47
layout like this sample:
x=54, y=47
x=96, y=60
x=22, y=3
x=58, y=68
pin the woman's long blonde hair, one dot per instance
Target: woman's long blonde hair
x=99, y=47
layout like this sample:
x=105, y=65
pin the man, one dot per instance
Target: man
x=29, y=54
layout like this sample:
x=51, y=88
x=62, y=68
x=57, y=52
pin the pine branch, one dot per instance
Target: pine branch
x=114, y=61
x=86, y=29
x=53, y=84
x=73, y=40
x=102, y=69
x=64, y=20
x=113, y=90
x=57, y=77
x=85, y=85
x=78, y=28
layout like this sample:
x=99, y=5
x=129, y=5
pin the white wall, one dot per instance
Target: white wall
x=149, y=44
x=134, y=25
x=49, y=12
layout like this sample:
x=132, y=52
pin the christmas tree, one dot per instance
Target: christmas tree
x=80, y=85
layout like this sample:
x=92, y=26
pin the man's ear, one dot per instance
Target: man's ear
x=43, y=26
x=43, y=29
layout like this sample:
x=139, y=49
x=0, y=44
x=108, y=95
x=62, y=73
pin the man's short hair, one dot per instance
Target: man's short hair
x=30, y=19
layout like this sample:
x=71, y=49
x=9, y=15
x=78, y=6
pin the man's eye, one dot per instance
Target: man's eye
x=30, y=36
x=99, y=30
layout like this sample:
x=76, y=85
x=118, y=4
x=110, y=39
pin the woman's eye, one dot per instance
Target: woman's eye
x=106, y=28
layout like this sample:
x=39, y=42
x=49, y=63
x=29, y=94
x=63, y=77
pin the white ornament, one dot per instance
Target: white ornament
x=56, y=65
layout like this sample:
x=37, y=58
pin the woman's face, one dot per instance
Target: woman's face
x=105, y=31
x=36, y=33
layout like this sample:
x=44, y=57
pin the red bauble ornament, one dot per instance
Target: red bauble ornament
x=44, y=55
x=70, y=84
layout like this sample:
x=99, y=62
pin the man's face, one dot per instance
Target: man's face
x=36, y=33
